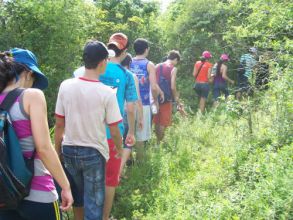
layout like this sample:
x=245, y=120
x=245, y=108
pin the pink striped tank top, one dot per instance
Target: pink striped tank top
x=42, y=186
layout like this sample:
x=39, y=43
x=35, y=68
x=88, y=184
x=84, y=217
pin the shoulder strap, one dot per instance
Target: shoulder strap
x=199, y=70
x=161, y=69
x=10, y=99
x=146, y=66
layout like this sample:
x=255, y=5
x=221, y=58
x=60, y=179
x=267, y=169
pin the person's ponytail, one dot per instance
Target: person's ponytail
x=219, y=65
x=7, y=70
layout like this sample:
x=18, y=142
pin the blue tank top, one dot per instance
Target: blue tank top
x=139, y=68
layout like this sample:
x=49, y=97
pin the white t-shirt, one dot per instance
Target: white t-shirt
x=87, y=106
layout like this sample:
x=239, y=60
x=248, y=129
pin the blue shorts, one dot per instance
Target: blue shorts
x=86, y=167
x=220, y=88
x=202, y=89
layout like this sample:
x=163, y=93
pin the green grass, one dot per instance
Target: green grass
x=212, y=167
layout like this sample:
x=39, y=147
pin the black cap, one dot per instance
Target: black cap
x=94, y=52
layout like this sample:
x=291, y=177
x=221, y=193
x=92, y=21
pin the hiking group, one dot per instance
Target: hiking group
x=102, y=103
x=215, y=76
x=112, y=96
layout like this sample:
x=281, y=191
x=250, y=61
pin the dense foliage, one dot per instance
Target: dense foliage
x=234, y=162
x=56, y=31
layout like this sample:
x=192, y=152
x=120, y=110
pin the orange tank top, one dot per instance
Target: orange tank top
x=202, y=76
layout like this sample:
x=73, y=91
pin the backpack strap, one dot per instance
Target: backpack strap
x=10, y=99
x=199, y=70
x=8, y=102
x=161, y=70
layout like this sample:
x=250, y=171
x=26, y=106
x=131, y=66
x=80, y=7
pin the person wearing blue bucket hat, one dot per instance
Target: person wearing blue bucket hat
x=19, y=73
x=28, y=59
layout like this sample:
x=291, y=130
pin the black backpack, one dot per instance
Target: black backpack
x=165, y=86
x=241, y=68
x=16, y=172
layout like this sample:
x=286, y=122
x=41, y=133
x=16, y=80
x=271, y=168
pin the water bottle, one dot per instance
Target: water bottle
x=154, y=109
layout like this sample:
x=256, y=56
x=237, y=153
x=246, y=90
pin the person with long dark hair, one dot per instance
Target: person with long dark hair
x=19, y=69
x=219, y=73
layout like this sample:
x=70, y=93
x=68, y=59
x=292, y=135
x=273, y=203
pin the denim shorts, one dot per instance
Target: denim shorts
x=86, y=167
x=202, y=89
x=220, y=88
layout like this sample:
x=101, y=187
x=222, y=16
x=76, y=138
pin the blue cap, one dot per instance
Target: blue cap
x=27, y=58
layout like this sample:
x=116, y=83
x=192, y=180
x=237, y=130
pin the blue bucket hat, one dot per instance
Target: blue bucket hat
x=27, y=58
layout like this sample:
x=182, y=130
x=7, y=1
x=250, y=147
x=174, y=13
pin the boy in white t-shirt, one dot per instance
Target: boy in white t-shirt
x=84, y=106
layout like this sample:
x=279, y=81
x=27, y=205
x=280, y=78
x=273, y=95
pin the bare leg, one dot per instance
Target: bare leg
x=140, y=154
x=160, y=132
x=215, y=104
x=238, y=96
x=109, y=197
x=78, y=213
x=202, y=104
x=125, y=156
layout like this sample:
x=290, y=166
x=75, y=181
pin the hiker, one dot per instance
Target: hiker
x=166, y=73
x=145, y=71
x=263, y=70
x=202, y=75
x=220, y=78
x=19, y=69
x=244, y=73
x=121, y=80
x=84, y=107
x=138, y=115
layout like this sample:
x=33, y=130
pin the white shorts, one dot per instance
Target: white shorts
x=146, y=132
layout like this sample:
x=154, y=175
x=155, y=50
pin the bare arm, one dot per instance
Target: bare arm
x=224, y=74
x=140, y=114
x=59, y=133
x=36, y=108
x=156, y=91
x=194, y=73
x=173, y=84
x=116, y=137
x=210, y=74
x=130, y=139
x=138, y=104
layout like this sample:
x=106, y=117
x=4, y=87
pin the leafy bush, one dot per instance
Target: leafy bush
x=210, y=168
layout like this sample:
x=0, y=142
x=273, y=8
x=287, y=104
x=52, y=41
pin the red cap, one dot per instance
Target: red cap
x=120, y=40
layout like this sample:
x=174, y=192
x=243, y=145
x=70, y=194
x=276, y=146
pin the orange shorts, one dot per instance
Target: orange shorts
x=112, y=166
x=164, y=115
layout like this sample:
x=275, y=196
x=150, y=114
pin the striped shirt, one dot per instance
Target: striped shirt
x=42, y=186
x=249, y=62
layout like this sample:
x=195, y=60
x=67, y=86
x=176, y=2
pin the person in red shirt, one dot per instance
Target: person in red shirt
x=202, y=74
x=168, y=71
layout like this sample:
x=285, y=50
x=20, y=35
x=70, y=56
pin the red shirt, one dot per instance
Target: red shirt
x=166, y=71
x=202, y=76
